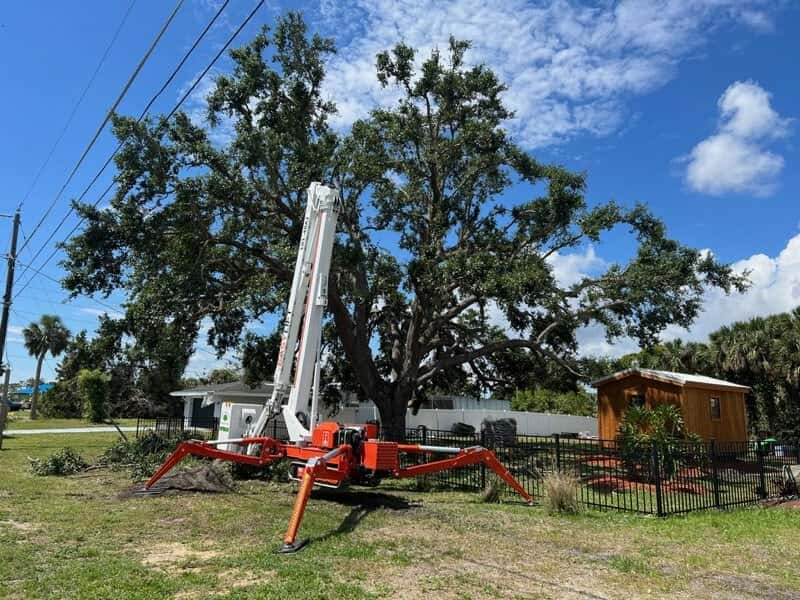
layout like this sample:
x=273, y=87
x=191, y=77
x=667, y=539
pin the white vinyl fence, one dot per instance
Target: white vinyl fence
x=529, y=423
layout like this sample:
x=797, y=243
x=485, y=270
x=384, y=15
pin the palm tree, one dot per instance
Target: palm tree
x=48, y=335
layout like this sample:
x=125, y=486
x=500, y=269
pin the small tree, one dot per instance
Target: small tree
x=642, y=428
x=93, y=389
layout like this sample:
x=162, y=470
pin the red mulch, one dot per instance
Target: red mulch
x=690, y=473
x=608, y=483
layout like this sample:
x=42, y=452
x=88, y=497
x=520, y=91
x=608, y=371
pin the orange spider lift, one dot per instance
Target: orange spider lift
x=325, y=454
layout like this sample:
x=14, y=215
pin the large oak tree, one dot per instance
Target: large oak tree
x=444, y=259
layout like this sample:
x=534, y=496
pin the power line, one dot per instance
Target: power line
x=147, y=107
x=53, y=279
x=107, y=117
x=79, y=102
x=119, y=145
x=169, y=115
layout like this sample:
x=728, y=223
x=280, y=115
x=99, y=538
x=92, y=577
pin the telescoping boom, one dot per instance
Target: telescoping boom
x=307, y=301
x=328, y=454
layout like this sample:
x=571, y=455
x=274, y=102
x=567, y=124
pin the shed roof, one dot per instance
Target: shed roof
x=679, y=379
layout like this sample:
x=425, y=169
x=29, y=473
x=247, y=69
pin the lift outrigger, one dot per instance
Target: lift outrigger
x=324, y=454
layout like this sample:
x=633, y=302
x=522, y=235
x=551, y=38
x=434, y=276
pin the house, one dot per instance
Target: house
x=711, y=408
x=23, y=395
x=203, y=402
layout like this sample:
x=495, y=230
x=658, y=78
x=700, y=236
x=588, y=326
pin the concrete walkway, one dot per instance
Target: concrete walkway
x=11, y=432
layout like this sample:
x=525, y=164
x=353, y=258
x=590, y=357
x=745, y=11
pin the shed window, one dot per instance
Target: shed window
x=716, y=409
x=637, y=400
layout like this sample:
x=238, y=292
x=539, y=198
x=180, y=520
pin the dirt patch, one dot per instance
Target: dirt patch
x=226, y=581
x=176, y=557
x=738, y=586
x=236, y=578
x=781, y=503
x=478, y=578
x=19, y=525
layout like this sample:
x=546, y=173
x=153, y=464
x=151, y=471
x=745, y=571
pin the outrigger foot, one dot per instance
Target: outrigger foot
x=291, y=548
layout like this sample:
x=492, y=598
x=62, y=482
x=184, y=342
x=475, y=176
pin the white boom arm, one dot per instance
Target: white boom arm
x=307, y=302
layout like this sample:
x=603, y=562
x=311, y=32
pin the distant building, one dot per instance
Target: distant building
x=23, y=394
x=203, y=402
x=711, y=408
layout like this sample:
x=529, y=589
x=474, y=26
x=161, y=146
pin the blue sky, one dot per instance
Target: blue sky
x=688, y=106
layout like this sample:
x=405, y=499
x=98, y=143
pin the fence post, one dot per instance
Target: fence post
x=657, y=477
x=557, y=439
x=483, y=465
x=714, y=474
x=424, y=435
x=275, y=428
x=762, y=476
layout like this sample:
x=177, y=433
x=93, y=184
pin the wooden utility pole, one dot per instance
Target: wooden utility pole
x=4, y=404
x=6, y=370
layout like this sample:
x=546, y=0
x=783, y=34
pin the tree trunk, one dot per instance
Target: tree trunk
x=392, y=407
x=36, y=381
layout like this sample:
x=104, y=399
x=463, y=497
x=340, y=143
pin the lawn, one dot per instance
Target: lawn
x=74, y=537
x=21, y=419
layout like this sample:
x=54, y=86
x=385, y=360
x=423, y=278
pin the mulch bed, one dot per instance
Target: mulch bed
x=608, y=483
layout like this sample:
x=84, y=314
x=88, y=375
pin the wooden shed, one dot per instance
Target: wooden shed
x=712, y=408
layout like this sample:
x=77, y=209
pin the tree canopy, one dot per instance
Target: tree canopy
x=443, y=266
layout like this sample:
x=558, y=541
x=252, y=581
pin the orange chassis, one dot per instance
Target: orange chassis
x=336, y=456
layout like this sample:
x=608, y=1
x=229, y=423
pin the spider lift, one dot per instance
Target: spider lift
x=325, y=454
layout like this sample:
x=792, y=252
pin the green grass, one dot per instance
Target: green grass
x=74, y=537
x=21, y=419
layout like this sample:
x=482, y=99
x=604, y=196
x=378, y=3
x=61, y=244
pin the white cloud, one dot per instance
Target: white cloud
x=735, y=158
x=570, y=268
x=569, y=66
x=775, y=288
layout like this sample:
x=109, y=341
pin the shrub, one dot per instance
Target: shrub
x=61, y=402
x=142, y=456
x=61, y=462
x=641, y=429
x=491, y=493
x=93, y=389
x=423, y=483
x=561, y=493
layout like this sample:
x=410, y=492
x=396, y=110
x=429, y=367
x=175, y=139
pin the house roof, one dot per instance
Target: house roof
x=680, y=379
x=28, y=390
x=219, y=391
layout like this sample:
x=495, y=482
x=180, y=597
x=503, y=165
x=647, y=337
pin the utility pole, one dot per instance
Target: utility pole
x=12, y=259
x=4, y=404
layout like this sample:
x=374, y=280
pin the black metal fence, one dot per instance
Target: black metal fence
x=652, y=478
x=198, y=428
